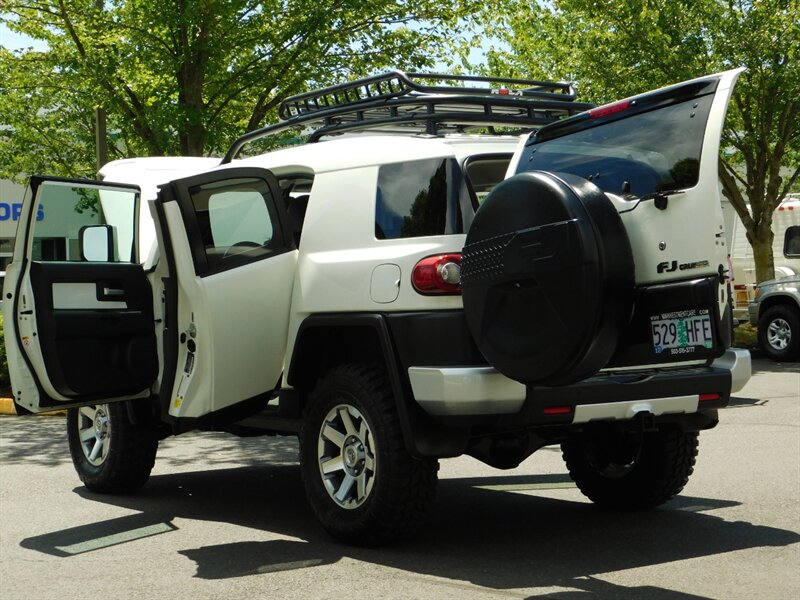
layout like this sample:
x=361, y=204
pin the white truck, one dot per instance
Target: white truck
x=379, y=294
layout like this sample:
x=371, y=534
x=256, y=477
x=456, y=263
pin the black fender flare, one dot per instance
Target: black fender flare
x=318, y=336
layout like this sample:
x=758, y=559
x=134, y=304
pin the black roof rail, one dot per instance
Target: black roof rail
x=429, y=103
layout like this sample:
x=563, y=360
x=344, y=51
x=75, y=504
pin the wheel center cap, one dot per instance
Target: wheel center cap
x=353, y=454
x=100, y=424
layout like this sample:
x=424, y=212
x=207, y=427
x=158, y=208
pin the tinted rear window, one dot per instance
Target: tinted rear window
x=654, y=151
x=418, y=198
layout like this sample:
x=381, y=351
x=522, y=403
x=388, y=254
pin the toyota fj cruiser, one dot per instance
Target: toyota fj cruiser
x=380, y=293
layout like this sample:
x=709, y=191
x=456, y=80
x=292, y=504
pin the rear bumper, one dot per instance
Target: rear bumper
x=482, y=391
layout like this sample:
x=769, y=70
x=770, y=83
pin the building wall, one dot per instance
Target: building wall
x=11, y=195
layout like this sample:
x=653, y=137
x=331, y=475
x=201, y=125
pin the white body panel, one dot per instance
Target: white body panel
x=238, y=320
x=691, y=229
x=358, y=151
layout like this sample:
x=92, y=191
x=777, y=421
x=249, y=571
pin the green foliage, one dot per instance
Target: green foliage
x=616, y=48
x=746, y=336
x=189, y=76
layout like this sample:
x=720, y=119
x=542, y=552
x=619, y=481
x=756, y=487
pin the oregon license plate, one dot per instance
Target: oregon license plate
x=681, y=332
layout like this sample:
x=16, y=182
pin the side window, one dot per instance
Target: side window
x=82, y=223
x=791, y=242
x=483, y=173
x=238, y=218
x=418, y=198
x=237, y=221
x=295, y=191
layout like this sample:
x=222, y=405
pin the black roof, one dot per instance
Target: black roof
x=423, y=103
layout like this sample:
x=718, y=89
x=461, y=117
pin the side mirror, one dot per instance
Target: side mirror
x=97, y=243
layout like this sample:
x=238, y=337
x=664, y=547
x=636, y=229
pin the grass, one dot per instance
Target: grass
x=745, y=336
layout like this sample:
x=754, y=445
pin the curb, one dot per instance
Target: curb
x=7, y=407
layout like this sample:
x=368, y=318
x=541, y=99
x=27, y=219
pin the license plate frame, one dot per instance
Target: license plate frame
x=681, y=332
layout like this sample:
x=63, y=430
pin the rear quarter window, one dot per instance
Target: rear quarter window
x=418, y=198
x=483, y=173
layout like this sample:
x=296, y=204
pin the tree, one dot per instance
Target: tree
x=616, y=48
x=188, y=76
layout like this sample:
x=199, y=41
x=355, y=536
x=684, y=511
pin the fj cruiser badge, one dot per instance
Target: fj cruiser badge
x=668, y=267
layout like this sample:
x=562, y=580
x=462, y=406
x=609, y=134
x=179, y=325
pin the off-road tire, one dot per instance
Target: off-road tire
x=779, y=332
x=631, y=470
x=130, y=455
x=402, y=488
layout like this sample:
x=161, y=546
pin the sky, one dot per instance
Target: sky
x=15, y=41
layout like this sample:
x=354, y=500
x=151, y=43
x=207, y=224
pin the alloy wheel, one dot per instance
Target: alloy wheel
x=347, y=456
x=779, y=334
x=94, y=431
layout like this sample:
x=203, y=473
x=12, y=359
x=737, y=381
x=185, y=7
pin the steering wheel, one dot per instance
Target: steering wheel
x=230, y=251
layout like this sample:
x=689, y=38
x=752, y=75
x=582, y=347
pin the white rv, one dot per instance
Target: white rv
x=785, y=250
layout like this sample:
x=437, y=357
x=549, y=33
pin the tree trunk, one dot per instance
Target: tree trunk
x=193, y=140
x=762, y=254
x=191, y=76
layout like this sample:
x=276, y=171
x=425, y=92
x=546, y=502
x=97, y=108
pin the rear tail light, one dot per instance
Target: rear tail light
x=709, y=397
x=440, y=274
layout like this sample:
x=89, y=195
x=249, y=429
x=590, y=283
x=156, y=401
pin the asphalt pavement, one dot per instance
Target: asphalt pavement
x=223, y=517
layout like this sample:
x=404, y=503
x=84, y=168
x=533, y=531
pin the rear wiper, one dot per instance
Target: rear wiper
x=660, y=199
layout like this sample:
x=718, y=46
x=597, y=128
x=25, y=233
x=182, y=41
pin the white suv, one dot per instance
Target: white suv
x=376, y=293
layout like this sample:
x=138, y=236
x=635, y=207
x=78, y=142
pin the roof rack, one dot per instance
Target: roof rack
x=428, y=103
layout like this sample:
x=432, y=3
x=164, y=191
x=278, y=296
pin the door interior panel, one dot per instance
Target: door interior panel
x=92, y=350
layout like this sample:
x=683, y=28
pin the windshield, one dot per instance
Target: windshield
x=642, y=154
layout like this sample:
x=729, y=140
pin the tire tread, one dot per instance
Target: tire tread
x=667, y=461
x=791, y=316
x=131, y=456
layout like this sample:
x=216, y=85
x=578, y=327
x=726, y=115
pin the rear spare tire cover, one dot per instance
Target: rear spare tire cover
x=547, y=276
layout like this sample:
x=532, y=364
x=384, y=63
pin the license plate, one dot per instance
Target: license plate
x=681, y=332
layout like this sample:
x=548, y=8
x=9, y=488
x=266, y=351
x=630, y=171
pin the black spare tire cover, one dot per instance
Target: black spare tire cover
x=547, y=276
